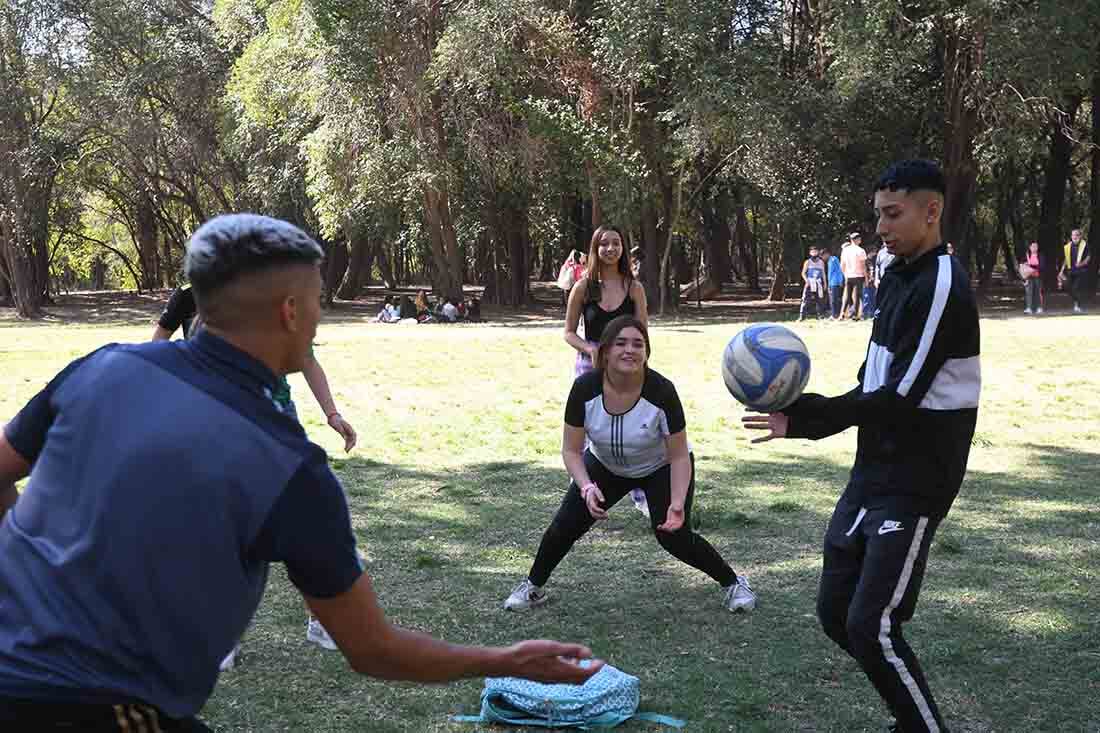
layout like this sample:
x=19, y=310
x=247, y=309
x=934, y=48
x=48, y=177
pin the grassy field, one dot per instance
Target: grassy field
x=458, y=473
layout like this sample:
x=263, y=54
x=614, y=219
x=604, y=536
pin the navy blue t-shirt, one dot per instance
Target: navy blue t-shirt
x=164, y=481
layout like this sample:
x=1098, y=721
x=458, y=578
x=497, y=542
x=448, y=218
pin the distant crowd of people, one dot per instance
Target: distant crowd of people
x=421, y=310
x=1072, y=275
x=839, y=287
x=843, y=286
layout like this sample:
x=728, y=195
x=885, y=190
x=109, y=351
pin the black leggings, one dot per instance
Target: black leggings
x=573, y=520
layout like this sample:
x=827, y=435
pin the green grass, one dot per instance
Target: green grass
x=457, y=474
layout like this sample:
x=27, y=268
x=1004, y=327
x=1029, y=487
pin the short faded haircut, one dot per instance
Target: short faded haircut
x=231, y=246
x=913, y=175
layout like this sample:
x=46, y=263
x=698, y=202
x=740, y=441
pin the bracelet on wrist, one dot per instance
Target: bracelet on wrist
x=586, y=488
x=330, y=415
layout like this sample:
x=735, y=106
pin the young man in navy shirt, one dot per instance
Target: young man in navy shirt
x=164, y=480
x=181, y=313
x=916, y=405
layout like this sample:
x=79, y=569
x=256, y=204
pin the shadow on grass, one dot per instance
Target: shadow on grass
x=1008, y=607
x=1005, y=627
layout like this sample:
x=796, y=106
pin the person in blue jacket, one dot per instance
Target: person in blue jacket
x=836, y=281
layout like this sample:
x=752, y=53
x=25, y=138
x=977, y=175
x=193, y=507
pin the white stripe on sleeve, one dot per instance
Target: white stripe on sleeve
x=876, y=372
x=957, y=386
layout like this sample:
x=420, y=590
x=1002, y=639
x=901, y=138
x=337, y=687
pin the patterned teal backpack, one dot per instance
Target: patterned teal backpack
x=605, y=700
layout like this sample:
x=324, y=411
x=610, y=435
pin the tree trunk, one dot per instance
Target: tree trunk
x=548, y=262
x=5, y=287
x=577, y=212
x=963, y=49
x=447, y=274
x=385, y=267
x=651, y=263
x=335, y=267
x=1007, y=200
x=778, y=292
x=683, y=270
x=18, y=175
x=361, y=253
x=1008, y=253
x=988, y=251
x=99, y=274
x=594, y=188
x=745, y=245
x=715, y=213
x=672, y=216
x=519, y=253
x=1094, y=191
x=1055, y=175
x=25, y=293
x=146, y=235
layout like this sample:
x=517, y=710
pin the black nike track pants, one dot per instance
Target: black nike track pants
x=873, y=567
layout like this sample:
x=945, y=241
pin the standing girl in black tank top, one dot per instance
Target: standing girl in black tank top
x=607, y=290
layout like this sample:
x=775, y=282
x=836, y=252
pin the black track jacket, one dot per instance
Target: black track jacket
x=917, y=400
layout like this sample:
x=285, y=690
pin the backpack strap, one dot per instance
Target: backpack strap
x=660, y=719
x=601, y=722
x=498, y=718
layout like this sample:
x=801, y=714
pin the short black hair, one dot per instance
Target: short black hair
x=229, y=246
x=913, y=175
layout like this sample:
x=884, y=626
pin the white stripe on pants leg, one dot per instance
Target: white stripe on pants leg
x=859, y=518
x=884, y=630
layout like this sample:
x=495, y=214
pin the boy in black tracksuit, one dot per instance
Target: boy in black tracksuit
x=916, y=407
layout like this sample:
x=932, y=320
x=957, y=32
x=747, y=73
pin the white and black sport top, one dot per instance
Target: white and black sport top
x=632, y=444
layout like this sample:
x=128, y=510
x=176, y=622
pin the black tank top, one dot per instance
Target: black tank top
x=596, y=318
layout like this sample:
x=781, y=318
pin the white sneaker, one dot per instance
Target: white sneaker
x=527, y=595
x=1077, y=309
x=739, y=596
x=640, y=503
x=316, y=633
x=1027, y=311
x=230, y=660
x=1038, y=311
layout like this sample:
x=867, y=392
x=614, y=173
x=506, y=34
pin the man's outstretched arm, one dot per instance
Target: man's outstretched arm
x=375, y=647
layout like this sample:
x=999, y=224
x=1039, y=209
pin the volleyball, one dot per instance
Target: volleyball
x=766, y=367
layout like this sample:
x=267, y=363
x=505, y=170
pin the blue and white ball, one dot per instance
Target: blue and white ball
x=766, y=367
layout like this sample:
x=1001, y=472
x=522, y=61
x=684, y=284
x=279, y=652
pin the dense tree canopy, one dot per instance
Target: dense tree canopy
x=457, y=142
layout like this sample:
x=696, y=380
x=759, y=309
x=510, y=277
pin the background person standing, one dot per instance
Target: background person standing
x=853, y=261
x=814, y=293
x=1075, y=269
x=836, y=282
x=1031, y=272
